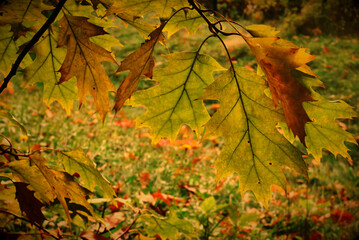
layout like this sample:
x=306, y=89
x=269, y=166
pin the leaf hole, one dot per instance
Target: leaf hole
x=259, y=182
x=94, y=88
x=270, y=163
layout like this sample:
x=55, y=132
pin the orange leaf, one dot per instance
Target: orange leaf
x=140, y=62
x=83, y=61
x=278, y=58
x=144, y=179
x=326, y=50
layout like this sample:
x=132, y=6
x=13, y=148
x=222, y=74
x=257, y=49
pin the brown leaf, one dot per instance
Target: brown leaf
x=63, y=185
x=29, y=204
x=278, y=58
x=83, y=61
x=19, y=30
x=140, y=62
x=90, y=235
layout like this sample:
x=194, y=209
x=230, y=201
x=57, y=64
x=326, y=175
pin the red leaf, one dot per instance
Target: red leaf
x=326, y=50
x=115, y=208
x=341, y=217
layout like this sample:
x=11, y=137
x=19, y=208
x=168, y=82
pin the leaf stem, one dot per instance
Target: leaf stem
x=30, y=44
x=212, y=26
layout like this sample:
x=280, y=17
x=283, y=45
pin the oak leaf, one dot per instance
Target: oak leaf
x=44, y=69
x=29, y=204
x=76, y=162
x=63, y=185
x=9, y=49
x=262, y=31
x=141, y=7
x=173, y=102
x=143, y=28
x=277, y=58
x=140, y=62
x=23, y=12
x=83, y=60
x=323, y=131
x=190, y=20
x=253, y=148
x=32, y=176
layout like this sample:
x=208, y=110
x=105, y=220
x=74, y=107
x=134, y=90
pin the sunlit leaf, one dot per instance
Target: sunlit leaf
x=44, y=69
x=63, y=185
x=253, y=149
x=141, y=7
x=277, y=58
x=174, y=102
x=139, y=63
x=83, y=61
x=76, y=162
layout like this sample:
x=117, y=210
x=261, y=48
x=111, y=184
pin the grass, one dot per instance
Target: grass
x=325, y=207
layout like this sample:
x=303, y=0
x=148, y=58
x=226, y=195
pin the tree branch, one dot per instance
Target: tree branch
x=26, y=220
x=31, y=43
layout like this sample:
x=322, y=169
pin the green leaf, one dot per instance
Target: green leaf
x=246, y=218
x=174, y=102
x=208, y=204
x=13, y=121
x=323, y=131
x=143, y=28
x=44, y=69
x=31, y=174
x=167, y=228
x=76, y=161
x=188, y=19
x=9, y=48
x=253, y=147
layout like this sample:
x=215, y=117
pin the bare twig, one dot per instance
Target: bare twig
x=129, y=227
x=26, y=220
x=30, y=44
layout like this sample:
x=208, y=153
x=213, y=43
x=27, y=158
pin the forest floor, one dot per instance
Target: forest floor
x=179, y=176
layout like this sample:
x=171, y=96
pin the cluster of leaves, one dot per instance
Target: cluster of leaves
x=262, y=115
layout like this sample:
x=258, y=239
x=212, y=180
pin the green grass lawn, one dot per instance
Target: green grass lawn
x=180, y=176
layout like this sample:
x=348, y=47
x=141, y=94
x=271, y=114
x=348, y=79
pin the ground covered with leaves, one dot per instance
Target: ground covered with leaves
x=177, y=179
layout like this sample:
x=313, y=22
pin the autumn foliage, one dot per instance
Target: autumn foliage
x=269, y=118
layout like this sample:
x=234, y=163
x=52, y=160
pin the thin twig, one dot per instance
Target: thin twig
x=26, y=220
x=129, y=227
x=212, y=26
x=30, y=44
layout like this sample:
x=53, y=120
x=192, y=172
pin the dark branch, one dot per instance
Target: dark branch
x=31, y=43
x=211, y=26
